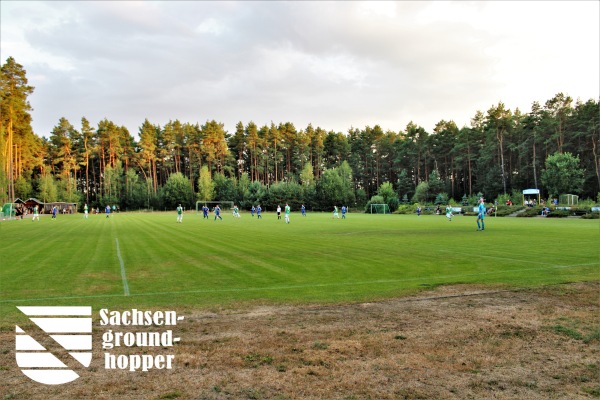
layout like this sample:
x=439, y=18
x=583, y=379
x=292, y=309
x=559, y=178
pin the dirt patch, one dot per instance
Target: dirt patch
x=455, y=342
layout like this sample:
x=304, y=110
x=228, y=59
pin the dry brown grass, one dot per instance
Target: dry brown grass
x=458, y=342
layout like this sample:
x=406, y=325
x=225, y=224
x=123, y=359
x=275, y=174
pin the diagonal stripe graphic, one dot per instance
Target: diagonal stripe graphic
x=55, y=351
x=64, y=325
x=38, y=360
x=27, y=343
x=39, y=311
x=84, y=358
x=74, y=342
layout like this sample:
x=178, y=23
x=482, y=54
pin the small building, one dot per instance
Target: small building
x=63, y=207
x=529, y=192
x=33, y=202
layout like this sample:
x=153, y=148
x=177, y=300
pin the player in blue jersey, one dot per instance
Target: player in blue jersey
x=205, y=211
x=303, y=209
x=218, y=213
x=480, y=215
x=258, y=211
x=252, y=210
x=343, y=212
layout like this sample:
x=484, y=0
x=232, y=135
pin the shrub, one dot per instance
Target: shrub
x=502, y=199
x=421, y=193
x=406, y=209
x=464, y=201
x=503, y=211
x=586, y=204
x=559, y=214
x=532, y=212
x=441, y=198
x=516, y=197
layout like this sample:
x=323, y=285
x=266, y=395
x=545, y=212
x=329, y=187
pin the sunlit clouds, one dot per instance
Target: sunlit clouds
x=332, y=64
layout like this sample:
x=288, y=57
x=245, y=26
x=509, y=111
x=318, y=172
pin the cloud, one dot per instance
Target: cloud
x=332, y=64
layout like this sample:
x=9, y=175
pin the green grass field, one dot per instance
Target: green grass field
x=147, y=260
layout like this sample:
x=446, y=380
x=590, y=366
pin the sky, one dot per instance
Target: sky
x=336, y=65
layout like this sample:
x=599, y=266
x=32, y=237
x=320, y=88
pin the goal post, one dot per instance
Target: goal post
x=225, y=205
x=380, y=209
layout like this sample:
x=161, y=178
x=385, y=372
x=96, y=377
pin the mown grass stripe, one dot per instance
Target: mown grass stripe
x=317, y=285
x=204, y=263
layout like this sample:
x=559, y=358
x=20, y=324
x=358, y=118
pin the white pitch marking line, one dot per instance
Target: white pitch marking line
x=123, y=275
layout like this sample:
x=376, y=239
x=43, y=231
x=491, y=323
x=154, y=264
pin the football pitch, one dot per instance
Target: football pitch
x=147, y=260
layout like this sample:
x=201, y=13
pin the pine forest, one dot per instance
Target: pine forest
x=502, y=152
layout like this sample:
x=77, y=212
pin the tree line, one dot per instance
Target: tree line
x=501, y=152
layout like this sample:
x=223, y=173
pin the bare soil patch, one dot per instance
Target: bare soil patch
x=453, y=342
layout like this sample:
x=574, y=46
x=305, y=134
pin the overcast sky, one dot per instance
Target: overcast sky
x=333, y=64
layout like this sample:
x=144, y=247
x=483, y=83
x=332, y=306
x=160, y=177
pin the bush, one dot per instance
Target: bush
x=474, y=200
x=532, y=212
x=502, y=199
x=406, y=209
x=586, y=204
x=591, y=215
x=441, y=198
x=516, y=197
x=464, y=201
x=503, y=211
x=177, y=190
x=558, y=214
x=421, y=193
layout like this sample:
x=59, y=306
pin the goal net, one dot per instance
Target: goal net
x=568, y=199
x=380, y=209
x=225, y=205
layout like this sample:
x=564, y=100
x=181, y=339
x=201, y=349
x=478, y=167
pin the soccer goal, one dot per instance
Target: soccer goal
x=225, y=205
x=569, y=199
x=380, y=209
